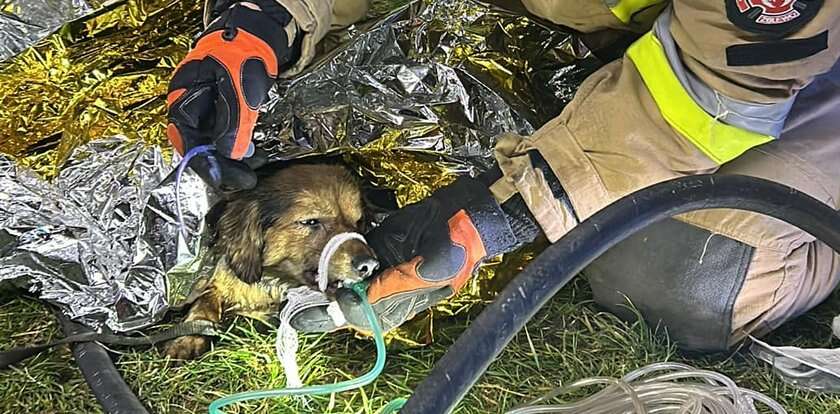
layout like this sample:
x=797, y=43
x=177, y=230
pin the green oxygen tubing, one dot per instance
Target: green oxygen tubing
x=326, y=389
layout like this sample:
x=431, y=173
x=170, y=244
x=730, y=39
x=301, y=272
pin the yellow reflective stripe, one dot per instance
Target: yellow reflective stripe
x=625, y=9
x=719, y=141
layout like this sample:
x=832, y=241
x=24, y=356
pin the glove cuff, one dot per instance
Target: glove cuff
x=522, y=222
x=269, y=7
x=491, y=222
x=268, y=24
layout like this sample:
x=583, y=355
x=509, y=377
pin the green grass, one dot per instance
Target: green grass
x=568, y=340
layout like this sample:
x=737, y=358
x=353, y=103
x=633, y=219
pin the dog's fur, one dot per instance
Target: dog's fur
x=269, y=239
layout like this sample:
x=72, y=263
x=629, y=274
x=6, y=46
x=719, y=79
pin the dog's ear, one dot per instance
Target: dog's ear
x=240, y=239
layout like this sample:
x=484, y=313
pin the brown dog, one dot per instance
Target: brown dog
x=270, y=239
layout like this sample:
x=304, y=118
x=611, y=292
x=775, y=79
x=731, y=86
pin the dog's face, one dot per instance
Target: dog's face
x=279, y=229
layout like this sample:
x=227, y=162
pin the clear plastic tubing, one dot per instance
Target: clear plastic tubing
x=675, y=388
x=199, y=150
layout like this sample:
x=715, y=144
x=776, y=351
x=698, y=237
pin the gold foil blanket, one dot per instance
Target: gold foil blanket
x=410, y=99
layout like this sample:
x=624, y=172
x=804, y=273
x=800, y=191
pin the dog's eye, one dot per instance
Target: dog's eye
x=310, y=222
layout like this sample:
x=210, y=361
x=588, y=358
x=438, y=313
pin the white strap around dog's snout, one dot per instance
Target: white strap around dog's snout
x=329, y=250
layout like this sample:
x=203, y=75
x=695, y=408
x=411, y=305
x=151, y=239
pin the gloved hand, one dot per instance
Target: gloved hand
x=431, y=249
x=216, y=91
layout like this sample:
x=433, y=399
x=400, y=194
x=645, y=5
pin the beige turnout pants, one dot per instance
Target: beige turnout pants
x=773, y=58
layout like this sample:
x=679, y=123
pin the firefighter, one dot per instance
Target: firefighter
x=727, y=86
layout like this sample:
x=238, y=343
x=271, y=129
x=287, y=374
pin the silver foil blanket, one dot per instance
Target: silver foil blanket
x=24, y=22
x=445, y=77
x=98, y=239
x=433, y=82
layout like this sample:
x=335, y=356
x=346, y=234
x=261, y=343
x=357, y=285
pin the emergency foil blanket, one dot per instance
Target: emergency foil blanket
x=24, y=22
x=410, y=100
x=96, y=240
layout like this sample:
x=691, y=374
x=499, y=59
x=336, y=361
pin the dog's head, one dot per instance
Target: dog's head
x=280, y=228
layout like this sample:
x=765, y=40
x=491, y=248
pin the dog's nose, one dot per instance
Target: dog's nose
x=365, y=265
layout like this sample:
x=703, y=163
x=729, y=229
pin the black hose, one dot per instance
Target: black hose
x=467, y=359
x=102, y=376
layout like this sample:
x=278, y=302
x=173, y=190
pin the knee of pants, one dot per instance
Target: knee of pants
x=677, y=276
x=707, y=290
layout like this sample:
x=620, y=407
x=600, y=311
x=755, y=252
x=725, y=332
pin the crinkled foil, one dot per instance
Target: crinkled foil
x=421, y=95
x=98, y=239
x=101, y=76
x=24, y=22
x=411, y=100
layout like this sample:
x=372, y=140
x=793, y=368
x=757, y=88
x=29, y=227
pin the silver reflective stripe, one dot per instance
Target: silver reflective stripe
x=767, y=119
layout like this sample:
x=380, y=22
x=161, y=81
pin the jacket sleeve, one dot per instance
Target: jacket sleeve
x=313, y=19
x=593, y=15
x=316, y=17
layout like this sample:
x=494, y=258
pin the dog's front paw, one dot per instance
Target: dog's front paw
x=187, y=347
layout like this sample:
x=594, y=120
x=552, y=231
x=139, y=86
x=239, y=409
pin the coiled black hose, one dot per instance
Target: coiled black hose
x=108, y=386
x=468, y=358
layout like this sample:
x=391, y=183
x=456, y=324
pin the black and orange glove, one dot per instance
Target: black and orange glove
x=431, y=249
x=217, y=90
